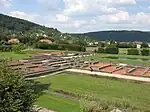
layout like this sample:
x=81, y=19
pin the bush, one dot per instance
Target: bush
x=101, y=50
x=108, y=106
x=16, y=94
x=144, y=45
x=145, y=52
x=133, y=52
x=126, y=45
x=111, y=50
x=42, y=45
x=18, y=47
x=5, y=46
x=69, y=47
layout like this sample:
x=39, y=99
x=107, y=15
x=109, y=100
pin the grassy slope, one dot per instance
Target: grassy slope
x=57, y=103
x=102, y=88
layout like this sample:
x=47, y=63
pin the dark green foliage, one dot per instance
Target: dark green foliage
x=18, y=47
x=144, y=45
x=101, y=50
x=69, y=47
x=120, y=36
x=42, y=45
x=16, y=94
x=133, y=52
x=102, y=44
x=5, y=46
x=111, y=50
x=126, y=45
x=30, y=33
x=145, y=52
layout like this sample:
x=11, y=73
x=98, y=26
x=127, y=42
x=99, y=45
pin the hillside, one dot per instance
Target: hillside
x=119, y=35
x=29, y=33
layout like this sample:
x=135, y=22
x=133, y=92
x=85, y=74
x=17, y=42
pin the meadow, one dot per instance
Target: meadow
x=105, y=89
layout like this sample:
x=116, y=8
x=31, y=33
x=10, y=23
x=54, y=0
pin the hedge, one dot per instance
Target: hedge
x=126, y=45
x=69, y=47
x=111, y=50
x=133, y=52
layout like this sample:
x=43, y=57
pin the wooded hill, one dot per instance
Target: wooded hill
x=29, y=32
x=121, y=36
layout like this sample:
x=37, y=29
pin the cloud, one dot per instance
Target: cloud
x=119, y=17
x=51, y=5
x=73, y=7
x=141, y=18
x=61, y=18
x=23, y=15
x=5, y=3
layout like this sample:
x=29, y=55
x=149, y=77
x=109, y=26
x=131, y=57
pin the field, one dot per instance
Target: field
x=14, y=55
x=128, y=59
x=58, y=103
x=136, y=94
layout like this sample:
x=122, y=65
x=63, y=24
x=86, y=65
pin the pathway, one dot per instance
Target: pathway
x=143, y=79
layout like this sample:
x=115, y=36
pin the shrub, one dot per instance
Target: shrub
x=126, y=45
x=69, y=47
x=107, y=106
x=145, y=52
x=42, y=45
x=144, y=45
x=18, y=47
x=112, y=50
x=16, y=94
x=101, y=50
x=133, y=52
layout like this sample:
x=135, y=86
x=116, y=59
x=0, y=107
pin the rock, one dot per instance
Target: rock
x=117, y=110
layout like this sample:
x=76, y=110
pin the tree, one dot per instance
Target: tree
x=18, y=47
x=144, y=45
x=101, y=50
x=145, y=52
x=16, y=94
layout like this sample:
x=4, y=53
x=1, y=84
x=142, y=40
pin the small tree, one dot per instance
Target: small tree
x=144, y=45
x=18, y=47
x=16, y=94
x=101, y=50
x=145, y=52
x=133, y=52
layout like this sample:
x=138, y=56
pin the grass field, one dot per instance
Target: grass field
x=14, y=55
x=128, y=59
x=101, y=88
x=58, y=103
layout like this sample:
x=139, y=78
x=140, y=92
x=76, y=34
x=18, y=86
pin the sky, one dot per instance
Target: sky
x=74, y=16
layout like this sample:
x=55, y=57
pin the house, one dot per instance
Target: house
x=49, y=40
x=14, y=41
x=138, y=44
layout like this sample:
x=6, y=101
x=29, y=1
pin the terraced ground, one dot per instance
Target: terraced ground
x=136, y=94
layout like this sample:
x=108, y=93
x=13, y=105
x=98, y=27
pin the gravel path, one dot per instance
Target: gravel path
x=143, y=79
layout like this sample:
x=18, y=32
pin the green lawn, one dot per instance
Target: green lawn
x=130, y=59
x=14, y=56
x=58, y=103
x=102, y=88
